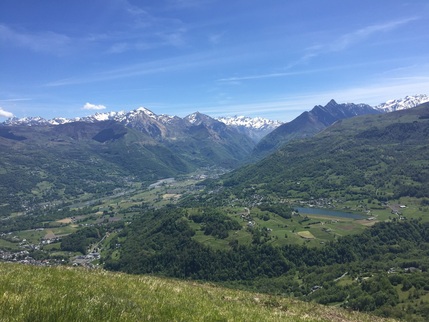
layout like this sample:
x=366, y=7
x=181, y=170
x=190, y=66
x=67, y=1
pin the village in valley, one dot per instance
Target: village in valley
x=44, y=244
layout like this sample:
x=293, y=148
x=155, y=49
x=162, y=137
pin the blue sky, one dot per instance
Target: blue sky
x=270, y=58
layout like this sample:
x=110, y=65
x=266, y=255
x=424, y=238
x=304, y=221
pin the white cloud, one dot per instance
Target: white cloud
x=4, y=113
x=89, y=106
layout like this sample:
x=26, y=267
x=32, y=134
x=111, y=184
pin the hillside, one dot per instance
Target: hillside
x=373, y=156
x=382, y=270
x=31, y=293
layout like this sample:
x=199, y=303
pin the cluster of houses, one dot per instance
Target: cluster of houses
x=24, y=257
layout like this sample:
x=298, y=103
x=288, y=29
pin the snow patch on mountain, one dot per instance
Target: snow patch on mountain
x=167, y=119
x=255, y=128
x=29, y=121
x=58, y=121
x=249, y=122
x=192, y=118
x=403, y=103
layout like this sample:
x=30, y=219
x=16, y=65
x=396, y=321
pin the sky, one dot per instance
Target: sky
x=267, y=58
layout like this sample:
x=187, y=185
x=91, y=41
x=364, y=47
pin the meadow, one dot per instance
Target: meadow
x=29, y=293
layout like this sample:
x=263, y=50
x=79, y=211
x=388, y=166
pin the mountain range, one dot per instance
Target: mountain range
x=306, y=124
x=255, y=128
x=320, y=117
x=52, y=159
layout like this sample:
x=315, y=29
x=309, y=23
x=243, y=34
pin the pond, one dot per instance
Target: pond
x=327, y=212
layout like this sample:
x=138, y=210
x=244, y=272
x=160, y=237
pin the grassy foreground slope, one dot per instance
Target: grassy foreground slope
x=29, y=293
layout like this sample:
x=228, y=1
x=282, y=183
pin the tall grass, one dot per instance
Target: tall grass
x=29, y=293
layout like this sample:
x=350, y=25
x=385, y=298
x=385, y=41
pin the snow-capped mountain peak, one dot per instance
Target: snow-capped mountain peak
x=147, y=112
x=403, y=103
x=249, y=122
x=198, y=118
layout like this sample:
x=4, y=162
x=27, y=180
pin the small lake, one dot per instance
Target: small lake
x=327, y=212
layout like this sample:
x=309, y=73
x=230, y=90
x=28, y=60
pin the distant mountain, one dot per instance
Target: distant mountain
x=402, y=104
x=267, y=134
x=310, y=123
x=127, y=118
x=203, y=134
x=256, y=128
x=206, y=141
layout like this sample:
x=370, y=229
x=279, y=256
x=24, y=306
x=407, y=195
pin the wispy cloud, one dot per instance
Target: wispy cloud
x=4, y=113
x=339, y=44
x=46, y=42
x=126, y=72
x=360, y=35
x=152, y=67
x=288, y=107
x=350, y=39
x=141, y=30
x=216, y=38
x=89, y=106
x=130, y=28
x=186, y=4
x=237, y=79
x=15, y=99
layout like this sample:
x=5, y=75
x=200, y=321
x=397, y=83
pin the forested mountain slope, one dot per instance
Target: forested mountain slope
x=381, y=156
